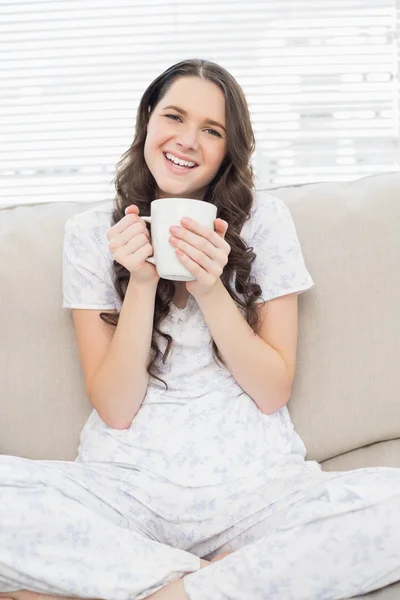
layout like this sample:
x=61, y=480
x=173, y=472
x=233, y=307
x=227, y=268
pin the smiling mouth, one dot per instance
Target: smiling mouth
x=179, y=167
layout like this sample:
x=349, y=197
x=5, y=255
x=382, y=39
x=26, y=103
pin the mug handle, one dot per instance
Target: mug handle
x=150, y=259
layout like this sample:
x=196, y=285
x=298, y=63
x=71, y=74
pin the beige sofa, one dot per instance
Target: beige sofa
x=346, y=398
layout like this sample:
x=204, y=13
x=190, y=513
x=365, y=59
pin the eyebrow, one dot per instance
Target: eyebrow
x=184, y=113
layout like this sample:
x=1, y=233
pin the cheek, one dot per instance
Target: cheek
x=157, y=139
x=150, y=138
x=151, y=145
x=147, y=150
x=215, y=157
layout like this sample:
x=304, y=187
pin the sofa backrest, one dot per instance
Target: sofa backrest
x=347, y=388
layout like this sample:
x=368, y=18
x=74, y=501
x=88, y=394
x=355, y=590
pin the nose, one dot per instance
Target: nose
x=188, y=138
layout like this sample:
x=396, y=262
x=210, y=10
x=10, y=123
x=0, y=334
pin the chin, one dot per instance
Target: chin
x=176, y=191
x=168, y=193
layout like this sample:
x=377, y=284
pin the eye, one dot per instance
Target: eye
x=172, y=116
x=213, y=131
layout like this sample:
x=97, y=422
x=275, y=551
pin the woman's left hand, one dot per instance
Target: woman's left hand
x=203, y=252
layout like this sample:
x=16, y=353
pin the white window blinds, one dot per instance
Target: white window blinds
x=321, y=79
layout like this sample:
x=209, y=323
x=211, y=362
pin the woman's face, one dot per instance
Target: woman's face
x=189, y=134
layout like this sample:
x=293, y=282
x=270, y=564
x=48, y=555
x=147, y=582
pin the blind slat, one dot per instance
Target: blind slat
x=321, y=79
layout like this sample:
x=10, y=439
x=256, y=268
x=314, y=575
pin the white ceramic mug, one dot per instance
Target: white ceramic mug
x=164, y=213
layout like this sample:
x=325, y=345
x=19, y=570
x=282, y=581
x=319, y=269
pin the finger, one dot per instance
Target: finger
x=193, y=267
x=217, y=251
x=194, y=246
x=128, y=226
x=221, y=227
x=123, y=239
x=132, y=208
x=132, y=245
x=124, y=223
x=198, y=263
x=210, y=243
x=203, y=231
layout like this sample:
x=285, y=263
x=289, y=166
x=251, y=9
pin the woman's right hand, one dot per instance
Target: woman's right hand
x=129, y=241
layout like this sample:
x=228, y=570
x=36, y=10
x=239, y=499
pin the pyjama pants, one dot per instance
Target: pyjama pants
x=66, y=529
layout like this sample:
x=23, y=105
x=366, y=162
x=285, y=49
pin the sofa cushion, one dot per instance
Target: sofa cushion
x=381, y=454
x=347, y=389
x=391, y=592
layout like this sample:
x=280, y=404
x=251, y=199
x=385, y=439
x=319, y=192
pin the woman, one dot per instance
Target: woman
x=190, y=481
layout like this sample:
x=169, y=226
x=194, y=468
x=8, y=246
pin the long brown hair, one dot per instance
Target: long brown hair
x=231, y=191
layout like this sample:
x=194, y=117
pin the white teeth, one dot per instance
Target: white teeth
x=177, y=161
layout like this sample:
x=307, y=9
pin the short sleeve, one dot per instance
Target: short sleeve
x=87, y=281
x=279, y=266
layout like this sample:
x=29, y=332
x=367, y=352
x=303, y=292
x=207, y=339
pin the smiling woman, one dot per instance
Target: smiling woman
x=191, y=454
x=194, y=139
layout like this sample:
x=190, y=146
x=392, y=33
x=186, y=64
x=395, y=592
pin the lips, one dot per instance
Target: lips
x=178, y=170
x=179, y=156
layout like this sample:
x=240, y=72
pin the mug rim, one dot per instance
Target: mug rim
x=191, y=199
